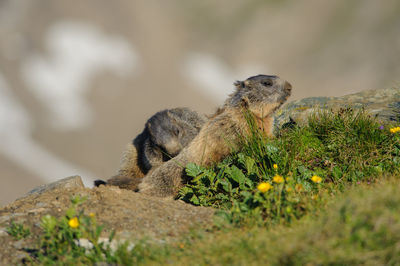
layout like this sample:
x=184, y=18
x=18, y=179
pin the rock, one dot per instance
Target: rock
x=384, y=103
x=83, y=242
x=13, y=216
x=68, y=182
x=19, y=244
x=5, y=218
x=114, y=244
x=35, y=211
x=3, y=232
x=20, y=256
x=41, y=204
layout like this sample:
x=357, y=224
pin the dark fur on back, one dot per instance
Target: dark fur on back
x=165, y=134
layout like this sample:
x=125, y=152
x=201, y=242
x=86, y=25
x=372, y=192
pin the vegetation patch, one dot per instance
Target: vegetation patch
x=279, y=180
x=74, y=238
x=18, y=231
x=359, y=227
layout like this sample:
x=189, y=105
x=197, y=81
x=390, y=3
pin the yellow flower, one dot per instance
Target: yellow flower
x=275, y=166
x=92, y=214
x=278, y=179
x=264, y=186
x=287, y=178
x=289, y=189
x=316, y=179
x=299, y=187
x=394, y=130
x=74, y=222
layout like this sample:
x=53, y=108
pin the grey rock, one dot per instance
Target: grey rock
x=41, y=204
x=21, y=255
x=4, y=218
x=114, y=244
x=383, y=103
x=37, y=210
x=68, y=182
x=19, y=244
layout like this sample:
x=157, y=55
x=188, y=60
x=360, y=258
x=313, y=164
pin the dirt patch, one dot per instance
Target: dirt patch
x=132, y=215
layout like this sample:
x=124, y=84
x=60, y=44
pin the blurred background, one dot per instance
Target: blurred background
x=79, y=80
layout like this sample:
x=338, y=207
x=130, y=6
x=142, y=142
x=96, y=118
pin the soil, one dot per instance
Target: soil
x=132, y=215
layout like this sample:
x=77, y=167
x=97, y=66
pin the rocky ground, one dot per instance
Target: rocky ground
x=132, y=215
x=382, y=103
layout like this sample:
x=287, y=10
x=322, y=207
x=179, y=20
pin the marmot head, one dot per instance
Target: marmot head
x=172, y=130
x=260, y=94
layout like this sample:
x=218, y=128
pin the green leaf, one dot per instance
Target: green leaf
x=337, y=172
x=195, y=200
x=271, y=149
x=237, y=175
x=227, y=186
x=222, y=217
x=250, y=163
x=242, y=158
x=305, y=172
x=243, y=207
x=246, y=194
x=249, y=183
x=76, y=200
x=70, y=213
x=193, y=170
x=48, y=223
x=222, y=196
x=211, y=176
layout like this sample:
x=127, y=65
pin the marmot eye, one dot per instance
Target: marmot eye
x=267, y=83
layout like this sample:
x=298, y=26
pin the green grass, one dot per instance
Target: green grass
x=337, y=148
x=18, y=231
x=317, y=194
x=360, y=227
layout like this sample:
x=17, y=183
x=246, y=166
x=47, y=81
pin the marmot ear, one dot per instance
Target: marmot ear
x=239, y=84
x=244, y=102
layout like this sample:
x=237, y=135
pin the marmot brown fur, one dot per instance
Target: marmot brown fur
x=260, y=95
x=165, y=134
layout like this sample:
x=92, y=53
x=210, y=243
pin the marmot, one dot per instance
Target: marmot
x=260, y=95
x=165, y=134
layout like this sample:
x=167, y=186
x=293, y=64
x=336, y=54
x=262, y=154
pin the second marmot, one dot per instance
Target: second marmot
x=165, y=134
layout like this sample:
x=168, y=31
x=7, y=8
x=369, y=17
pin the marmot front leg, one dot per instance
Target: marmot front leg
x=163, y=181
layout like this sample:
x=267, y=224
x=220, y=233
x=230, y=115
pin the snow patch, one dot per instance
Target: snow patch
x=76, y=52
x=18, y=146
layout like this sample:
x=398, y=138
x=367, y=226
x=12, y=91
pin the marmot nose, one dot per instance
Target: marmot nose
x=287, y=86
